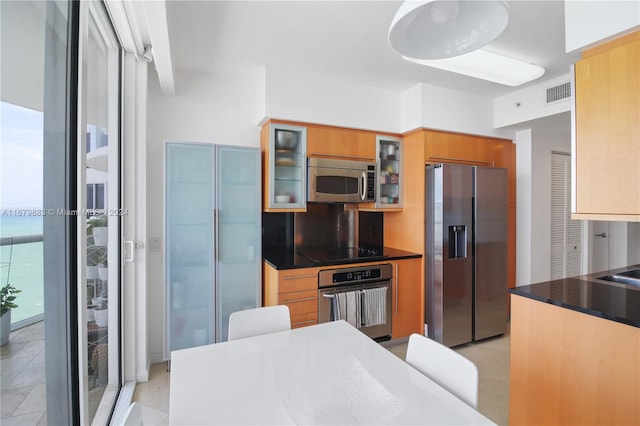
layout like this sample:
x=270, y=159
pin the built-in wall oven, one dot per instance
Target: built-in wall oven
x=359, y=295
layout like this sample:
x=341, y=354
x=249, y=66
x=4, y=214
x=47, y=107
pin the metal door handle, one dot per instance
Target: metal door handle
x=602, y=234
x=295, y=277
x=302, y=300
x=131, y=245
x=397, y=289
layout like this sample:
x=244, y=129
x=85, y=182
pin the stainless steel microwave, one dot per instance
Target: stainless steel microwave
x=341, y=181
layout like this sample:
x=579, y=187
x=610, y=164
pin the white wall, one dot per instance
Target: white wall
x=533, y=179
x=528, y=104
x=439, y=108
x=633, y=246
x=315, y=98
x=524, y=154
x=411, y=108
x=221, y=109
x=544, y=143
x=590, y=22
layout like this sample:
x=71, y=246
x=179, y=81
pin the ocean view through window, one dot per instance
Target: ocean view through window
x=21, y=209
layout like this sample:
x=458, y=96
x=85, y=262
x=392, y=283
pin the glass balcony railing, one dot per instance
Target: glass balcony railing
x=22, y=266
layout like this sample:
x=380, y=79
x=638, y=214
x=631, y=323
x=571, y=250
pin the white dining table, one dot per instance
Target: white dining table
x=329, y=373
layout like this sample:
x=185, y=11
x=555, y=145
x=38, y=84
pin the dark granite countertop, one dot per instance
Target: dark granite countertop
x=590, y=295
x=287, y=259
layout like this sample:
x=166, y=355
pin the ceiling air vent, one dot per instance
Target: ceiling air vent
x=558, y=92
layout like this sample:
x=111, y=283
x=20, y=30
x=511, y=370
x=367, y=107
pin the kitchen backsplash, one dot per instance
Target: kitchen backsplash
x=323, y=225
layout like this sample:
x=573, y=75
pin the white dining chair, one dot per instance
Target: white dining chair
x=444, y=366
x=133, y=416
x=253, y=322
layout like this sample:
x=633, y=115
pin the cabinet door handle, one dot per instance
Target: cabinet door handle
x=215, y=233
x=295, y=277
x=301, y=300
x=397, y=289
x=304, y=322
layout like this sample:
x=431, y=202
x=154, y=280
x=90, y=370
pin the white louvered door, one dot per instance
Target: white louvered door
x=566, y=234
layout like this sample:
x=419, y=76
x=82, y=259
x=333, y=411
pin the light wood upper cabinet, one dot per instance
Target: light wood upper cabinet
x=607, y=145
x=446, y=147
x=336, y=142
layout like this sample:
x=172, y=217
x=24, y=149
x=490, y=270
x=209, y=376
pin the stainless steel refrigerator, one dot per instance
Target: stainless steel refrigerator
x=466, y=253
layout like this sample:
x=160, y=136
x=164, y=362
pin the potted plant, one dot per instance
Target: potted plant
x=7, y=296
x=96, y=257
x=98, y=227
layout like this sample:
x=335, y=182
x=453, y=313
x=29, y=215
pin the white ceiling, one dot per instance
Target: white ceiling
x=347, y=40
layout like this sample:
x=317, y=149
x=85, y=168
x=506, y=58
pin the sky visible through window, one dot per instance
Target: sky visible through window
x=21, y=156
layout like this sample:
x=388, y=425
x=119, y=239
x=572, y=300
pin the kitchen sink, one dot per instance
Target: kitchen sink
x=628, y=277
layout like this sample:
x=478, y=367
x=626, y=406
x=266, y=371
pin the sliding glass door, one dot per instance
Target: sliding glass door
x=100, y=222
x=60, y=205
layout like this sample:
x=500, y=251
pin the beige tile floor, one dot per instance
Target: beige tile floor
x=23, y=383
x=491, y=356
x=23, y=388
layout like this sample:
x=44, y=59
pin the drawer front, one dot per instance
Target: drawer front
x=303, y=307
x=298, y=296
x=298, y=280
x=303, y=320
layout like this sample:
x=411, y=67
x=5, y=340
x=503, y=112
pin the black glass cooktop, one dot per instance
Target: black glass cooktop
x=320, y=254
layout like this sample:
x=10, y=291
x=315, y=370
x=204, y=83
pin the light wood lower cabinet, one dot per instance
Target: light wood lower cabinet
x=407, y=298
x=296, y=288
x=567, y=367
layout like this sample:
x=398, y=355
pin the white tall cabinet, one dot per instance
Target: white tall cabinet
x=212, y=240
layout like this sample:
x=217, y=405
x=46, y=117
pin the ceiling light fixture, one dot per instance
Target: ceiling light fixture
x=436, y=29
x=487, y=66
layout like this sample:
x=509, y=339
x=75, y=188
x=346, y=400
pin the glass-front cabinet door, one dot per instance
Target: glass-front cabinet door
x=213, y=254
x=189, y=245
x=287, y=167
x=238, y=233
x=390, y=180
